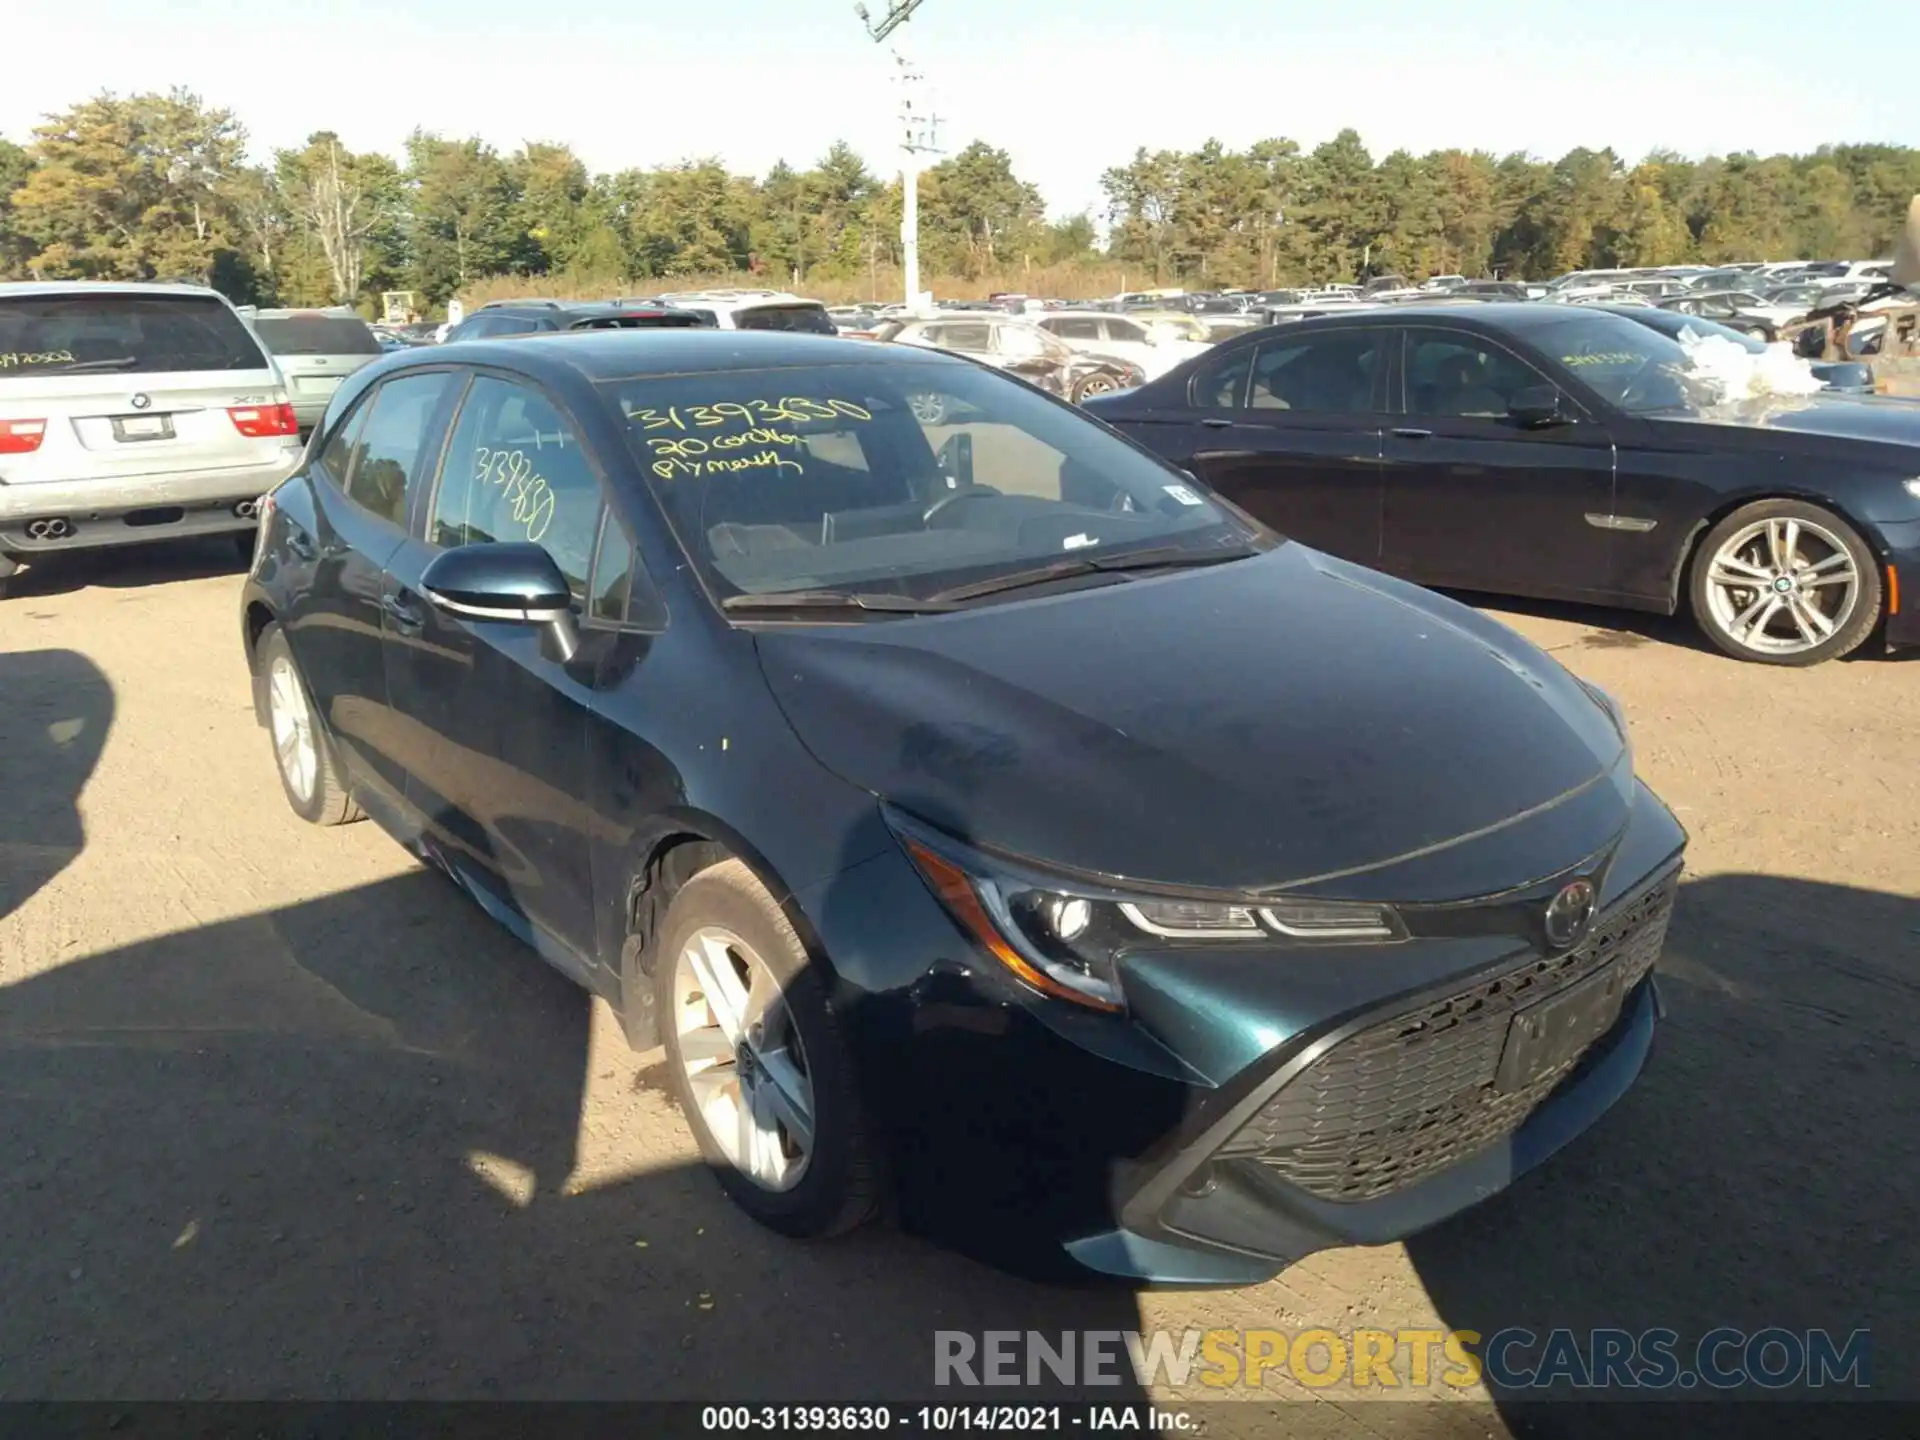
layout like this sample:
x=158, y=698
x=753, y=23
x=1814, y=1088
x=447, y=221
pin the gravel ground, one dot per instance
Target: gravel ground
x=281, y=1115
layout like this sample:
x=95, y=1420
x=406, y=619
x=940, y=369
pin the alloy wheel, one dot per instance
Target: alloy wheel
x=291, y=722
x=742, y=1059
x=1098, y=385
x=1782, y=586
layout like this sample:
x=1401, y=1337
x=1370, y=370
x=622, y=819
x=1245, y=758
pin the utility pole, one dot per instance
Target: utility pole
x=918, y=137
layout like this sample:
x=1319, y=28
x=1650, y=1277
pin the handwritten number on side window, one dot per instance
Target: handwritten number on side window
x=530, y=499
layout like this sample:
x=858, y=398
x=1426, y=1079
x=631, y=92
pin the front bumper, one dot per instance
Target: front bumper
x=1244, y=1115
x=1902, y=538
x=127, y=510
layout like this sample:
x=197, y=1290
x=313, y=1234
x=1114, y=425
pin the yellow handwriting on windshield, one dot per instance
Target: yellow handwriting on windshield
x=530, y=500
x=1618, y=357
x=722, y=414
x=13, y=359
x=690, y=446
x=670, y=467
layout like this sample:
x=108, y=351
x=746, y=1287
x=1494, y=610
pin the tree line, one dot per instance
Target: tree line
x=161, y=186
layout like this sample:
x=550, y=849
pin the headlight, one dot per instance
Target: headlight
x=1913, y=488
x=1065, y=939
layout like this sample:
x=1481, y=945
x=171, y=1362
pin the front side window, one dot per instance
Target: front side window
x=1637, y=369
x=1460, y=376
x=1075, y=328
x=515, y=471
x=388, y=447
x=909, y=476
x=1125, y=330
x=122, y=334
x=1332, y=372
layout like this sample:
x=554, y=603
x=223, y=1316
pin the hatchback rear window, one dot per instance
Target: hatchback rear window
x=82, y=334
x=811, y=319
x=315, y=335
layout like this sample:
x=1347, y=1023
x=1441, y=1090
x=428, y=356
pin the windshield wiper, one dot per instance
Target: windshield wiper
x=837, y=600
x=1160, y=557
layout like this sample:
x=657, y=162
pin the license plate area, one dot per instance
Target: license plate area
x=1552, y=1033
x=132, y=429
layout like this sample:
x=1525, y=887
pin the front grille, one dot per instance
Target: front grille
x=1409, y=1096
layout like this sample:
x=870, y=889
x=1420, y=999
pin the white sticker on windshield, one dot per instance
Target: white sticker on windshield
x=1078, y=542
x=1182, y=494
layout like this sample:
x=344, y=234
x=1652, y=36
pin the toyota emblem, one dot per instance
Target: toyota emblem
x=140, y=402
x=1570, y=913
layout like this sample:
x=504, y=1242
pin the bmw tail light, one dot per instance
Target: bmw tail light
x=21, y=437
x=258, y=422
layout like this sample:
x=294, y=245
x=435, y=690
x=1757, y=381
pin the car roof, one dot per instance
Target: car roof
x=626, y=354
x=18, y=288
x=1513, y=316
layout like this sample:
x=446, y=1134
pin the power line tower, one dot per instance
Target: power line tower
x=918, y=137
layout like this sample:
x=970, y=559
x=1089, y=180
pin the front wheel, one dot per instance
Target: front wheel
x=1094, y=385
x=1783, y=582
x=757, y=1060
x=928, y=409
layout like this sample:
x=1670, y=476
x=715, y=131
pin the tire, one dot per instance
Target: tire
x=726, y=915
x=1832, y=572
x=928, y=409
x=1094, y=385
x=320, y=797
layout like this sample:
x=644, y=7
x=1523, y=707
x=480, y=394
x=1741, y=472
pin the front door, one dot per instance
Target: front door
x=1289, y=429
x=1477, y=500
x=497, y=723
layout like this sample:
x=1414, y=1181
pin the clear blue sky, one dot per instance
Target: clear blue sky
x=1069, y=89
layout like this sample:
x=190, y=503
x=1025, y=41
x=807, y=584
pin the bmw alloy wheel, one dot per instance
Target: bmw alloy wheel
x=1782, y=586
x=292, y=724
x=742, y=1059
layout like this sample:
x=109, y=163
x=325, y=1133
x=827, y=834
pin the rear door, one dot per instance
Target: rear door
x=1473, y=498
x=494, y=724
x=363, y=480
x=315, y=352
x=1288, y=428
x=130, y=383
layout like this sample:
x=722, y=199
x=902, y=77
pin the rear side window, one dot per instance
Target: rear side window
x=316, y=335
x=810, y=319
x=122, y=334
x=389, y=444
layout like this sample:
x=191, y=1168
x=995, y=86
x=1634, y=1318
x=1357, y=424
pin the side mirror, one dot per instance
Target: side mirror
x=956, y=459
x=513, y=583
x=1537, y=406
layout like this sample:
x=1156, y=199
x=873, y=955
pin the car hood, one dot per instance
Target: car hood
x=1279, y=721
x=1830, y=416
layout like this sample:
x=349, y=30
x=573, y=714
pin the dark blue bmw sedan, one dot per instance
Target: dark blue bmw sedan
x=996, y=828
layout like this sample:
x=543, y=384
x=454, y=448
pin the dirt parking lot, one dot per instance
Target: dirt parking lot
x=282, y=1115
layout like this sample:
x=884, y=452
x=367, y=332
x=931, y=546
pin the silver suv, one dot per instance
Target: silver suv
x=131, y=413
x=315, y=350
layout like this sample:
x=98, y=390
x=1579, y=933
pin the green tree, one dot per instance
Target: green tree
x=461, y=200
x=15, y=165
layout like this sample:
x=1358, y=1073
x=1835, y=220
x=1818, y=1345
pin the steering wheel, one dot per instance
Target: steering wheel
x=970, y=492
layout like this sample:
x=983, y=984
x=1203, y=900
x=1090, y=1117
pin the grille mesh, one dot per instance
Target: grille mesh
x=1409, y=1096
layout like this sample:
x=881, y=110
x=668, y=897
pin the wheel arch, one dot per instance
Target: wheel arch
x=1677, y=582
x=254, y=621
x=682, y=844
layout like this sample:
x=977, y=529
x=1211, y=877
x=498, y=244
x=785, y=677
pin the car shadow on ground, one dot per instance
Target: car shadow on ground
x=129, y=567
x=332, y=1151
x=1608, y=627
x=1759, y=1174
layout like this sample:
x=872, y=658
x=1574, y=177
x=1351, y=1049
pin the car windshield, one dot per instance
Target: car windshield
x=77, y=334
x=315, y=335
x=1629, y=365
x=908, y=478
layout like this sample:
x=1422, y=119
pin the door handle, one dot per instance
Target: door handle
x=1410, y=432
x=1215, y=422
x=403, y=613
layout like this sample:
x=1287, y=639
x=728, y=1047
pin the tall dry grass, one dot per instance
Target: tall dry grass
x=1087, y=281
